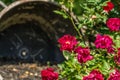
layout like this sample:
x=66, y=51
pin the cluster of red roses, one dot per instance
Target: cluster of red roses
x=70, y=43
x=49, y=74
x=112, y=23
x=97, y=75
x=105, y=42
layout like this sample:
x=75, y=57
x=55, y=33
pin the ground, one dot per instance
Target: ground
x=20, y=71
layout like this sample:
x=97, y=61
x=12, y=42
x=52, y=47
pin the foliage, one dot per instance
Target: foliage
x=8, y=1
x=89, y=18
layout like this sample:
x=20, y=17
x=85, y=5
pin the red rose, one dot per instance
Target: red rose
x=114, y=75
x=113, y=24
x=94, y=75
x=109, y=6
x=83, y=54
x=103, y=41
x=117, y=57
x=67, y=42
x=111, y=50
x=49, y=74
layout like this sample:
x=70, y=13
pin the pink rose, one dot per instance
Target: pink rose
x=67, y=42
x=83, y=54
x=94, y=75
x=103, y=41
x=114, y=75
x=108, y=7
x=49, y=74
x=113, y=24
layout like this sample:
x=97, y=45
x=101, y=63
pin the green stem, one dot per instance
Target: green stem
x=76, y=28
x=71, y=3
x=71, y=16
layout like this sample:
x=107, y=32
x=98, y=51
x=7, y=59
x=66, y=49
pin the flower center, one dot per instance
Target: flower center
x=67, y=42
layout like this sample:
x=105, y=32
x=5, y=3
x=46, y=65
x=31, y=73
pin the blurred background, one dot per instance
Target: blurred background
x=76, y=4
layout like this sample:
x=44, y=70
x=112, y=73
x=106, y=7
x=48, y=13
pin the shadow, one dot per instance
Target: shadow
x=28, y=43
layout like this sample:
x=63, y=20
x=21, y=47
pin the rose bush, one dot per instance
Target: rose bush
x=93, y=53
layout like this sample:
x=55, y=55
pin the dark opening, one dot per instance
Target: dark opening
x=28, y=42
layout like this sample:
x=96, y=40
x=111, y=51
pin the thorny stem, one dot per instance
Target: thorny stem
x=76, y=28
x=72, y=17
x=80, y=36
x=2, y=5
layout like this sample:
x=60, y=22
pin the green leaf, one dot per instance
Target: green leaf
x=106, y=65
x=105, y=68
x=67, y=55
x=117, y=41
x=61, y=13
x=78, y=77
